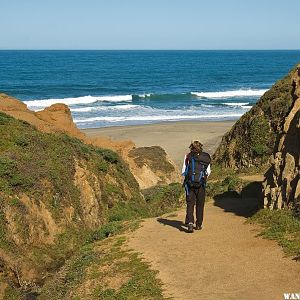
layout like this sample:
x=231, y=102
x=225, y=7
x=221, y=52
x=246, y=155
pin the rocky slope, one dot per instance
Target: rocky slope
x=54, y=192
x=57, y=118
x=252, y=139
x=282, y=184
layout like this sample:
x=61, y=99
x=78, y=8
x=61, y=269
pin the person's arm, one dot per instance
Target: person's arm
x=183, y=166
x=208, y=170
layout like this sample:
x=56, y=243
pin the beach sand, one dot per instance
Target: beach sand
x=174, y=137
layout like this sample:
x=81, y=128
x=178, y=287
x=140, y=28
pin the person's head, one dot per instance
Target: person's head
x=196, y=147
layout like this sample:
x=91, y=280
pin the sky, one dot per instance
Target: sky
x=150, y=24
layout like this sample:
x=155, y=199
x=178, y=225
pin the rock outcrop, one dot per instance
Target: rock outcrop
x=57, y=118
x=281, y=187
x=252, y=139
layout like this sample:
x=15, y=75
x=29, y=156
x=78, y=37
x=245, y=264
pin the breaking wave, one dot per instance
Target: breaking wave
x=229, y=94
x=79, y=100
x=103, y=108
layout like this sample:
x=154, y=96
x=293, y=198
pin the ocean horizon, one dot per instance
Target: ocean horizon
x=134, y=87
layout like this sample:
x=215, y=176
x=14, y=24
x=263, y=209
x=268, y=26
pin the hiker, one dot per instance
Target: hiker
x=196, y=169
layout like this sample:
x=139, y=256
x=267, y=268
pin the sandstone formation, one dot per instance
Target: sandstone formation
x=281, y=187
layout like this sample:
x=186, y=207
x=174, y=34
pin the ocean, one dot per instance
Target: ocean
x=113, y=88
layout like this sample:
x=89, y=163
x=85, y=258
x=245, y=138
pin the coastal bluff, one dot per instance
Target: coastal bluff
x=281, y=187
x=60, y=190
x=268, y=138
x=149, y=165
x=252, y=139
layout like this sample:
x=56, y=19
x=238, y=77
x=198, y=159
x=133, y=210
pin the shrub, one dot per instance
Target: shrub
x=259, y=136
x=109, y=155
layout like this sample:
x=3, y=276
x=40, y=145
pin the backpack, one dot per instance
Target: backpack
x=196, y=169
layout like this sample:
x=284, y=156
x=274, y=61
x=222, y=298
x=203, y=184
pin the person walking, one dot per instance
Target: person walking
x=196, y=168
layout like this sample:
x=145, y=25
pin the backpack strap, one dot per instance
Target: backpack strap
x=201, y=173
x=193, y=169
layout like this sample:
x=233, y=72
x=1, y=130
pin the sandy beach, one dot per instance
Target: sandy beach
x=174, y=137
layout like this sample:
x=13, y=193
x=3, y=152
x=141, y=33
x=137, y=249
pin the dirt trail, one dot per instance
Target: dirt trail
x=225, y=260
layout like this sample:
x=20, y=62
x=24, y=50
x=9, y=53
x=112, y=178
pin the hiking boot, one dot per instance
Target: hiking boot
x=198, y=227
x=190, y=227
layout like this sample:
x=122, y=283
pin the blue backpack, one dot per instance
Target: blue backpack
x=196, y=170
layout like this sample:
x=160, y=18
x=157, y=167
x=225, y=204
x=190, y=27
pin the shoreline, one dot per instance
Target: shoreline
x=173, y=137
x=162, y=123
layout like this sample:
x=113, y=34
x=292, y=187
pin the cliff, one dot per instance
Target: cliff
x=54, y=192
x=57, y=187
x=57, y=119
x=281, y=187
x=252, y=139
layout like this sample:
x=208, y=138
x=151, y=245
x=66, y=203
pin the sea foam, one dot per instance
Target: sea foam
x=106, y=108
x=78, y=100
x=235, y=103
x=156, y=118
x=229, y=94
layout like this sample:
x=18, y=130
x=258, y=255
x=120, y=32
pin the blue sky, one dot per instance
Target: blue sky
x=151, y=24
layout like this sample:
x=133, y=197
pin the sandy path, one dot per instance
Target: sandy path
x=225, y=260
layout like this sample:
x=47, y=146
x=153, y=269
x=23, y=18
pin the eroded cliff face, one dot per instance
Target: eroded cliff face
x=55, y=191
x=57, y=118
x=252, y=139
x=281, y=187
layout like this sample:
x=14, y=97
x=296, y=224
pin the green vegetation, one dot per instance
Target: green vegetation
x=152, y=156
x=163, y=199
x=123, y=217
x=251, y=140
x=282, y=226
x=229, y=184
x=39, y=190
x=12, y=294
x=259, y=136
x=159, y=200
x=104, y=271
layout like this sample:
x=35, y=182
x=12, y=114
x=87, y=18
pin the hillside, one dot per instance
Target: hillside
x=252, y=139
x=54, y=191
x=57, y=119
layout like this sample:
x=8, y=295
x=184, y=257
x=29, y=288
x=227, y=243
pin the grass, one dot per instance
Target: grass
x=12, y=294
x=163, y=199
x=282, y=226
x=124, y=217
x=153, y=156
x=42, y=166
x=228, y=184
x=105, y=270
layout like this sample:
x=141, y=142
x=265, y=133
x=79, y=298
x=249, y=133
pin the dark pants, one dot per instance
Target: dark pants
x=195, y=196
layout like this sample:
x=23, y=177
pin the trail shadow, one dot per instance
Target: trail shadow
x=245, y=204
x=173, y=223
